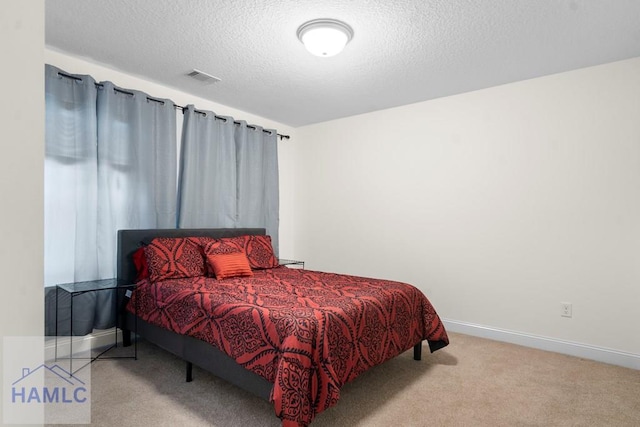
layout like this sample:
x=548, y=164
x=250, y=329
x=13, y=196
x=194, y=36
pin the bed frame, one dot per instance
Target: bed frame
x=192, y=350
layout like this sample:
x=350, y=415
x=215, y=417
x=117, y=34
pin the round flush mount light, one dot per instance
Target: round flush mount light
x=325, y=37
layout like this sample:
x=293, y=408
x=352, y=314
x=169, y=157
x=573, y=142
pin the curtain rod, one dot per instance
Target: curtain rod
x=180, y=107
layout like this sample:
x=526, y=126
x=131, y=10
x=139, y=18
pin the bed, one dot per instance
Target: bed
x=290, y=336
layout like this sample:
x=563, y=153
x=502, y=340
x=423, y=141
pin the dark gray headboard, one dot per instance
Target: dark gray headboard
x=130, y=240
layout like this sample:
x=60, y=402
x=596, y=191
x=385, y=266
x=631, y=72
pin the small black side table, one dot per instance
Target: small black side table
x=78, y=288
x=290, y=262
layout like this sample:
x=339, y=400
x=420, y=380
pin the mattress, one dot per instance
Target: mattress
x=307, y=332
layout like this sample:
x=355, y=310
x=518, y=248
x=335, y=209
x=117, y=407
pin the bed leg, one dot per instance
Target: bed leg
x=189, y=372
x=126, y=338
x=417, y=351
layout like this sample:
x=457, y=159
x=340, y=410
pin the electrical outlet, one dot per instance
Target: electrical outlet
x=566, y=309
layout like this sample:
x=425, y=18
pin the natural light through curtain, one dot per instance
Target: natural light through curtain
x=110, y=163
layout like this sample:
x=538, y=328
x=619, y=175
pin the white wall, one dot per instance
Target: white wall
x=499, y=204
x=21, y=169
x=100, y=72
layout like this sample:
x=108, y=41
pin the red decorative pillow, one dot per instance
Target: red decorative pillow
x=173, y=258
x=140, y=261
x=258, y=249
x=227, y=245
x=233, y=264
x=223, y=245
x=260, y=252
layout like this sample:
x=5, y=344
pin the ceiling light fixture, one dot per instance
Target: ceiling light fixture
x=325, y=37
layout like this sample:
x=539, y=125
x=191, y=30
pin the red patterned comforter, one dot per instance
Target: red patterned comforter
x=307, y=332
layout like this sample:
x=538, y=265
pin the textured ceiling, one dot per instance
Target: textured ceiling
x=403, y=51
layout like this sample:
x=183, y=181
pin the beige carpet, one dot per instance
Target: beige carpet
x=473, y=382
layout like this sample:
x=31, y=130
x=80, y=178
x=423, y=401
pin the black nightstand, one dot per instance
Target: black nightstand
x=289, y=262
x=123, y=292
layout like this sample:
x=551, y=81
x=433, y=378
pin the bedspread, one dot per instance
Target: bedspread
x=307, y=332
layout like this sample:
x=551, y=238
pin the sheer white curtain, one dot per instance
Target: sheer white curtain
x=110, y=163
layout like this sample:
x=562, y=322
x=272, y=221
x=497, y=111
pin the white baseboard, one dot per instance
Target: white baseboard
x=81, y=345
x=600, y=354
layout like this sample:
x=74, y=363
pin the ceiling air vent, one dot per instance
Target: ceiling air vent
x=203, y=77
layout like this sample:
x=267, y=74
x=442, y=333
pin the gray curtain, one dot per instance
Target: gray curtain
x=207, y=183
x=137, y=166
x=257, y=174
x=228, y=174
x=110, y=164
x=70, y=196
x=137, y=172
